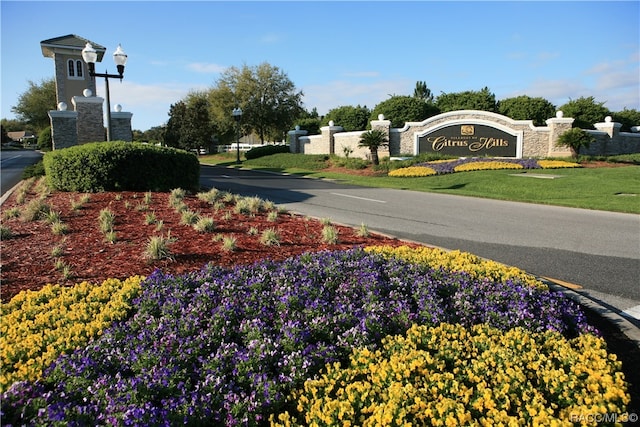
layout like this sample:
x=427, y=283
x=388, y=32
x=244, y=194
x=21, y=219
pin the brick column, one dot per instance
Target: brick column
x=63, y=127
x=385, y=126
x=121, y=125
x=90, y=117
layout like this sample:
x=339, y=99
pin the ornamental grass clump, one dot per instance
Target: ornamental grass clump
x=229, y=346
x=452, y=375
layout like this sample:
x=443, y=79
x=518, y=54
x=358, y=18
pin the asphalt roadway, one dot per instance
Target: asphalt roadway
x=594, y=253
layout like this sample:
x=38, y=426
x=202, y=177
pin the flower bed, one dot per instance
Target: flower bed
x=439, y=167
x=451, y=375
x=36, y=327
x=230, y=347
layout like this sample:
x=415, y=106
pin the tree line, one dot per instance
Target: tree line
x=271, y=106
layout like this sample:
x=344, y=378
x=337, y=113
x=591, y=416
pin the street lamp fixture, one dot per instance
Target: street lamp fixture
x=90, y=56
x=237, y=115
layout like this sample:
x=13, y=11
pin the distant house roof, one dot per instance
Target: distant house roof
x=70, y=42
x=20, y=135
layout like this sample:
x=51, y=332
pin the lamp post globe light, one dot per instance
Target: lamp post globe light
x=90, y=56
x=237, y=115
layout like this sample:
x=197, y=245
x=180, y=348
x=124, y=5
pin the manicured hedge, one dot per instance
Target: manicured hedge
x=266, y=150
x=107, y=166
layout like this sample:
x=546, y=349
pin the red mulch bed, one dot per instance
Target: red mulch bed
x=27, y=261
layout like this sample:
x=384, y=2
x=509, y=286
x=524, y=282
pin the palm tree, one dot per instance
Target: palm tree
x=374, y=139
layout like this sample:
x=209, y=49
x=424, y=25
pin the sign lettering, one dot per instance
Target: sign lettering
x=468, y=139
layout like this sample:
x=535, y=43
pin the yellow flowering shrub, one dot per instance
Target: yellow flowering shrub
x=490, y=165
x=412, y=171
x=37, y=326
x=458, y=261
x=448, y=375
x=555, y=164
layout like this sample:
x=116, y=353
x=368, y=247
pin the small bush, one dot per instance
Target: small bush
x=34, y=171
x=108, y=166
x=205, y=225
x=330, y=234
x=266, y=150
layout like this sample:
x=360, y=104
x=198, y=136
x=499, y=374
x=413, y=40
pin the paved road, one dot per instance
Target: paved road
x=12, y=163
x=597, y=250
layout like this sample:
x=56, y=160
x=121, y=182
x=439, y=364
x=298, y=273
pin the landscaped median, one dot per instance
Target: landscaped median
x=348, y=337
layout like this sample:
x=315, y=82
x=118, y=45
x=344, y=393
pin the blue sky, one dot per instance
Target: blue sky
x=337, y=53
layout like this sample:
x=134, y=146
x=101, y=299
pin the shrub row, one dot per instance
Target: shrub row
x=108, y=166
x=266, y=150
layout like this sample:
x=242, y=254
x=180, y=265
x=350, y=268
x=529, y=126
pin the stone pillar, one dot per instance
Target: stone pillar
x=121, y=125
x=90, y=117
x=294, y=139
x=327, y=136
x=63, y=127
x=609, y=126
x=557, y=127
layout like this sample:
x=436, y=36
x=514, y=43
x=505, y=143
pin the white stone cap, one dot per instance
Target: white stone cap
x=63, y=114
x=84, y=100
x=121, y=115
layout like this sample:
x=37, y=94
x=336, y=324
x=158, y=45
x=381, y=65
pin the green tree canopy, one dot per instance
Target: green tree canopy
x=349, y=117
x=269, y=101
x=177, y=115
x=628, y=118
x=526, y=108
x=196, y=130
x=35, y=103
x=421, y=91
x=483, y=100
x=400, y=109
x=585, y=111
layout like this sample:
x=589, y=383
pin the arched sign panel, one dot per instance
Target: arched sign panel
x=465, y=140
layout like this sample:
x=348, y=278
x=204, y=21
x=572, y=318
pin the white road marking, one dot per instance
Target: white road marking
x=11, y=158
x=361, y=198
x=225, y=176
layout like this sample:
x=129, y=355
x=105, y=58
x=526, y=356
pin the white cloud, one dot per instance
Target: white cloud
x=201, y=67
x=149, y=103
x=270, y=38
x=338, y=93
x=362, y=74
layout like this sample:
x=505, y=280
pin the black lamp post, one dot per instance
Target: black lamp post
x=237, y=115
x=90, y=56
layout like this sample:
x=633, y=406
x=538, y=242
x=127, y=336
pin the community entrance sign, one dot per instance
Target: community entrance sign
x=465, y=139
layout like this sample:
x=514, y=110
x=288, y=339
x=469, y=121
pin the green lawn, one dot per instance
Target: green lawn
x=612, y=189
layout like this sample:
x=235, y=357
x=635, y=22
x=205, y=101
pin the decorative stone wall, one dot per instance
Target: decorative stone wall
x=610, y=141
x=87, y=122
x=533, y=141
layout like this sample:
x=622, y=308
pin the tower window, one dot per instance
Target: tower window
x=74, y=69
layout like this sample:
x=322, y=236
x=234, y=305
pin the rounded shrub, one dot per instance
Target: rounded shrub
x=109, y=166
x=266, y=150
